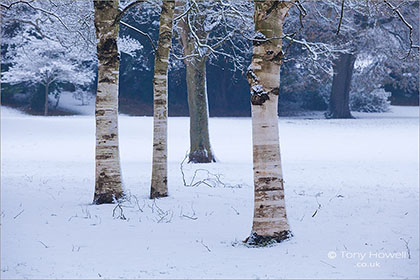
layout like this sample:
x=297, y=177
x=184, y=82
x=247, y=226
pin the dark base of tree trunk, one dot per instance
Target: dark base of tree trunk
x=262, y=241
x=330, y=115
x=201, y=157
x=156, y=194
x=106, y=198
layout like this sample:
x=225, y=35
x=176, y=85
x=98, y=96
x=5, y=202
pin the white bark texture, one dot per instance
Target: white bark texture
x=159, y=186
x=270, y=219
x=108, y=185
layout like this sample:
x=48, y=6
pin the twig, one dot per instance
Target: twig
x=73, y=247
x=123, y=11
x=236, y=211
x=182, y=169
x=184, y=13
x=406, y=246
x=319, y=204
x=341, y=16
x=46, y=247
x=75, y=216
x=137, y=203
x=29, y=3
x=121, y=214
x=162, y=217
x=86, y=212
x=212, y=180
x=205, y=246
x=18, y=214
x=328, y=264
x=140, y=32
x=189, y=217
x=395, y=10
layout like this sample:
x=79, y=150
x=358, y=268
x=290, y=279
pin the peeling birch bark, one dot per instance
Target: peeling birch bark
x=270, y=220
x=159, y=186
x=108, y=184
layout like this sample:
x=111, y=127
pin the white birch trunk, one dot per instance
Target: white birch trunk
x=108, y=185
x=159, y=186
x=270, y=219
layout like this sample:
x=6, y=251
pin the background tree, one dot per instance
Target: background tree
x=370, y=30
x=339, y=106
x=50, y=64
x=56, y=37
x=204, y=27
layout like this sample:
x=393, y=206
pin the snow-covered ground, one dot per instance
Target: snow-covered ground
x=69, y=103
x=352, y=191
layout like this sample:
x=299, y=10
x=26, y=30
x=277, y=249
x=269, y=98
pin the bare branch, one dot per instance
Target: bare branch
x=341, y=16
x=395, y=10
x=29, y=4
x=30, y=23
x=140, y=32
x=123, y=11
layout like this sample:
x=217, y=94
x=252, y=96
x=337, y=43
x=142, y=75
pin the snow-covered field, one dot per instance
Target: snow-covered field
x=352, y=192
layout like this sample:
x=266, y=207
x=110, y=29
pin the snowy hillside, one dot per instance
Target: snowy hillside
x=352, y=194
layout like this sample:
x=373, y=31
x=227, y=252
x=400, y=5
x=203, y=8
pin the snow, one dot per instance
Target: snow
x=69, y=103
x=258, y=89
x=364, y=174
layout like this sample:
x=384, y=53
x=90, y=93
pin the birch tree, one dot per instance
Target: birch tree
x=108, y=184
x=270, y=220
x=159, y=186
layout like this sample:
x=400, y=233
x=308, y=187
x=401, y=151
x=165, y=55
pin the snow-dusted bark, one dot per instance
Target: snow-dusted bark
x=270, y=219
x=195, y=64
x=159, y=186
x=108, y=185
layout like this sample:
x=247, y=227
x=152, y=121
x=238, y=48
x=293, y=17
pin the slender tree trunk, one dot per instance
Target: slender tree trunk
x=270, y=220
x=108, y=185
x=339, y=107
x=47, y=86
x=200, y=148
x=159, y=186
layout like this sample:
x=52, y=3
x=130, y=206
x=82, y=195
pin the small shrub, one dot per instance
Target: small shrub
x=374, y=101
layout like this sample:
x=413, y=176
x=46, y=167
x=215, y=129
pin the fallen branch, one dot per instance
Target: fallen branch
x=211, y=180
x=406, y=246
x=205, y=246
